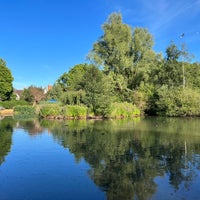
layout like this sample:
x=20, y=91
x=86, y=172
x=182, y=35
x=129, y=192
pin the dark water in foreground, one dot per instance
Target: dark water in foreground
x=152, y=158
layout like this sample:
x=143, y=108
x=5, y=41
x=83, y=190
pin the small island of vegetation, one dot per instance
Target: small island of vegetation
x=124, y=78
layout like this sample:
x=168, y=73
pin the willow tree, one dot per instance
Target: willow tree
x=6, y=88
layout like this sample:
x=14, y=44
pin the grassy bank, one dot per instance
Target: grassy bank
x=58, y=111
x=117, y=110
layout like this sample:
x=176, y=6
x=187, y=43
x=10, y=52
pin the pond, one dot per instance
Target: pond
x=147, y=158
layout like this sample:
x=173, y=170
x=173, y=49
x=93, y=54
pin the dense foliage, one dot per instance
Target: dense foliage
x=75, y=111
x=12, y=103
x=123, y=110
x=66, y=112
x=24, y=111
x=50, y=110
x=6, y=79
x=177, y=102
x=84, y=84
x=126, y=69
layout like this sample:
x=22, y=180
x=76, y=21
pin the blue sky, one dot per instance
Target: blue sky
x=42, y=39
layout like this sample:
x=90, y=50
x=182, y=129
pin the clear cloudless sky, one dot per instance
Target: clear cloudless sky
x=42, y=39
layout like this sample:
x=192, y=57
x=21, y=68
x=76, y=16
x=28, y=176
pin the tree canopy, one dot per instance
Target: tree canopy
x=114, y=49
x=6, y=79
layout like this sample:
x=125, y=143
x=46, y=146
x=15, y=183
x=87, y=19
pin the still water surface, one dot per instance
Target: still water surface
x=152, y=158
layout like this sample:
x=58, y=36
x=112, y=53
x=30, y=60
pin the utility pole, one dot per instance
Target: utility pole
x=182, y=60
x=183, y=71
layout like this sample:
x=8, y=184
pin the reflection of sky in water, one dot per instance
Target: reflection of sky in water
x=185, y=191
x=38, y=168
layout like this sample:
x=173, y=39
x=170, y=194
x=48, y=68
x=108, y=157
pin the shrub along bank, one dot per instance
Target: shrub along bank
x=117, y=110
x=123, y=110
x=12, y=103
x=24, y=111
x=177, y=102
x=54, y=111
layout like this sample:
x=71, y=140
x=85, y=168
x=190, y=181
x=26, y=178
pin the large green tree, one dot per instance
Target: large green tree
x=124, y=52
x=171, y=72
x=72, y=80
x=172, y=52
x=85, y=84
x=113, y=50
x=143, y=58
x=69, y=88
x=98, y=90
x=6, y=87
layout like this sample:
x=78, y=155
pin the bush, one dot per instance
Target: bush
x=11, y=104
x=123, y=110
x=142, y=96
x=178, y=102
x=75, y=111
x=24, y=111
x=50, y=111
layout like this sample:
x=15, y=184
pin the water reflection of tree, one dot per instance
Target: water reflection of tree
x=178, y=165
x=33, y=127
x=126, y=158
x=177, y=144
x=6, y=130
x=119, y=164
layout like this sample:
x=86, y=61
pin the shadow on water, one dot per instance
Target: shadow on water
x=125, y=156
